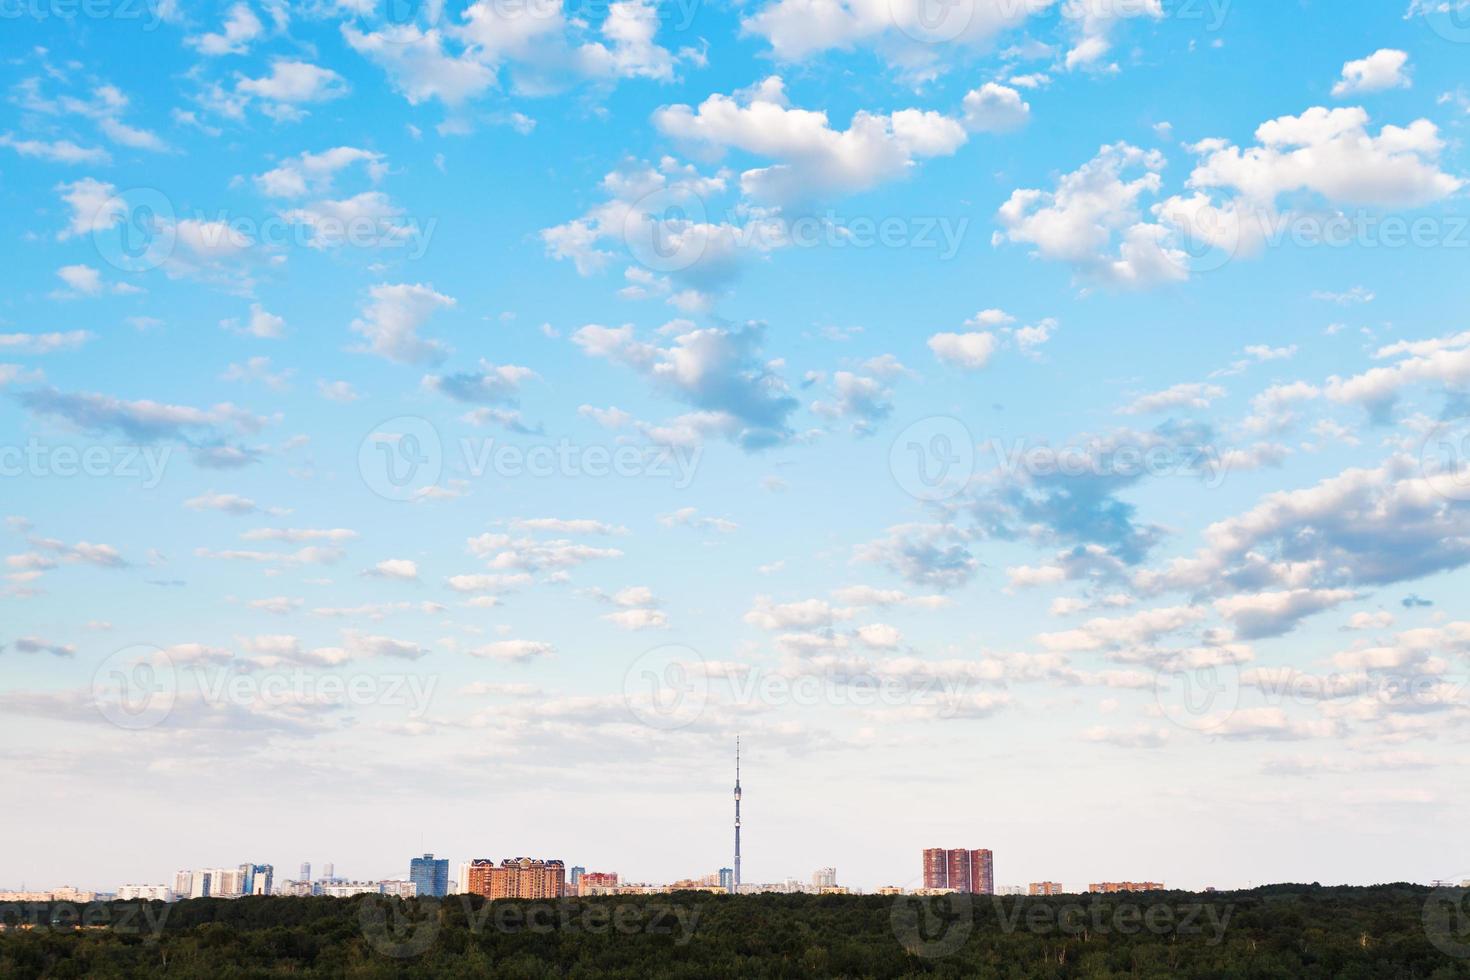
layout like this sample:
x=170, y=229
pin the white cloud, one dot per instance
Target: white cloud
x=970, y=351
x=1383, y=69
x=241, y=26
x=513, y=651
x=94, y=205
x=56, y=151
x=402, y=569
x=1187, y=395
x=812, y=160
x=391, y=320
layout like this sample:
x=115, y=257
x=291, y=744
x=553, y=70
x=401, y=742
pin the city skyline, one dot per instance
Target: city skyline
x=449, y=427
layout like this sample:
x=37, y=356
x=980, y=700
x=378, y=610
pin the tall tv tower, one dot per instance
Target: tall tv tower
x=736, y=885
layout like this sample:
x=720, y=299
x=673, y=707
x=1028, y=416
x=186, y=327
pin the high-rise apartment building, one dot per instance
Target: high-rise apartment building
x=960, y=870
x=727, y=879
x=517, y=878
x=256, y=879
x=596, y=882
x=982, y=872
x=305, y=871
x=936, y=868
x=574, y=876
x=824, y=878
x=183, y=883
x=430, y=875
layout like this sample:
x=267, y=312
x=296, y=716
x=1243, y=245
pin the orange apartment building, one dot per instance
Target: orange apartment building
x=521, y=877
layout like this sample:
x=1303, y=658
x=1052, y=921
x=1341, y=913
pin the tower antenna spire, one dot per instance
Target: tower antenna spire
x=735, y=882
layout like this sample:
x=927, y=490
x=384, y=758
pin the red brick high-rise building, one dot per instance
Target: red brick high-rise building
x=982, y=872
x=960, y=869
x=936, y=868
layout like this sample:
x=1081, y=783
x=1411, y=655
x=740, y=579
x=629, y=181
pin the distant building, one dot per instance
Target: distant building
x=727, y=879
x=960, y=870
x=1011, y=890
x=337, y=888
x=66, y=893
x=399, y=887
x=183, y=883
x=329, y=872
x=890, y=890
x=300, y=889
x=1109, y=887
x=1047, y=888
x=575, y=875
x=462, y=880
x=597, y=883
x=305, y=871
x=431, y=875
x=936, y=868
x=145, y=893
x=824, y=878
x=256, y=879
x=517, y=878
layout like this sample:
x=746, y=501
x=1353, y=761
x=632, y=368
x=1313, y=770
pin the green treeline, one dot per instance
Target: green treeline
x=1398, y=931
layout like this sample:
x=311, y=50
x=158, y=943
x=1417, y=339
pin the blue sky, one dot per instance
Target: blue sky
x=761, y=268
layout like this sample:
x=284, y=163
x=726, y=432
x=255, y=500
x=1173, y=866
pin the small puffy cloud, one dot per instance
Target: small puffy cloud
x=94, y=206
x=400, y=569
x=970, y=351
x=241, y=26
x=34, y=644
x=57, y=151
x=1383, y=69
x=811, y=160
x=993, y=108
x=391, y=320
x=491, y=384
x=513, y=651
x=716, y=370
x=313, y=173
x=43, y=343
x=1188, y=395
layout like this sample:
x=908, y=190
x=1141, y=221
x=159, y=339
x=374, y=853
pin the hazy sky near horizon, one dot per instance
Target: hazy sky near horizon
x=443, y=427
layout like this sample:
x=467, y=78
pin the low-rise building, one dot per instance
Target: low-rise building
x=1110, y=887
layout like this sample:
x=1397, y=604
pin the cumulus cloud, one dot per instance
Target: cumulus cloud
x=1186, y=395
x=492, y=384
x=1362, y=527
x=391, y=320
x=812, y=161
x=1383, y=69
x=716, y=370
